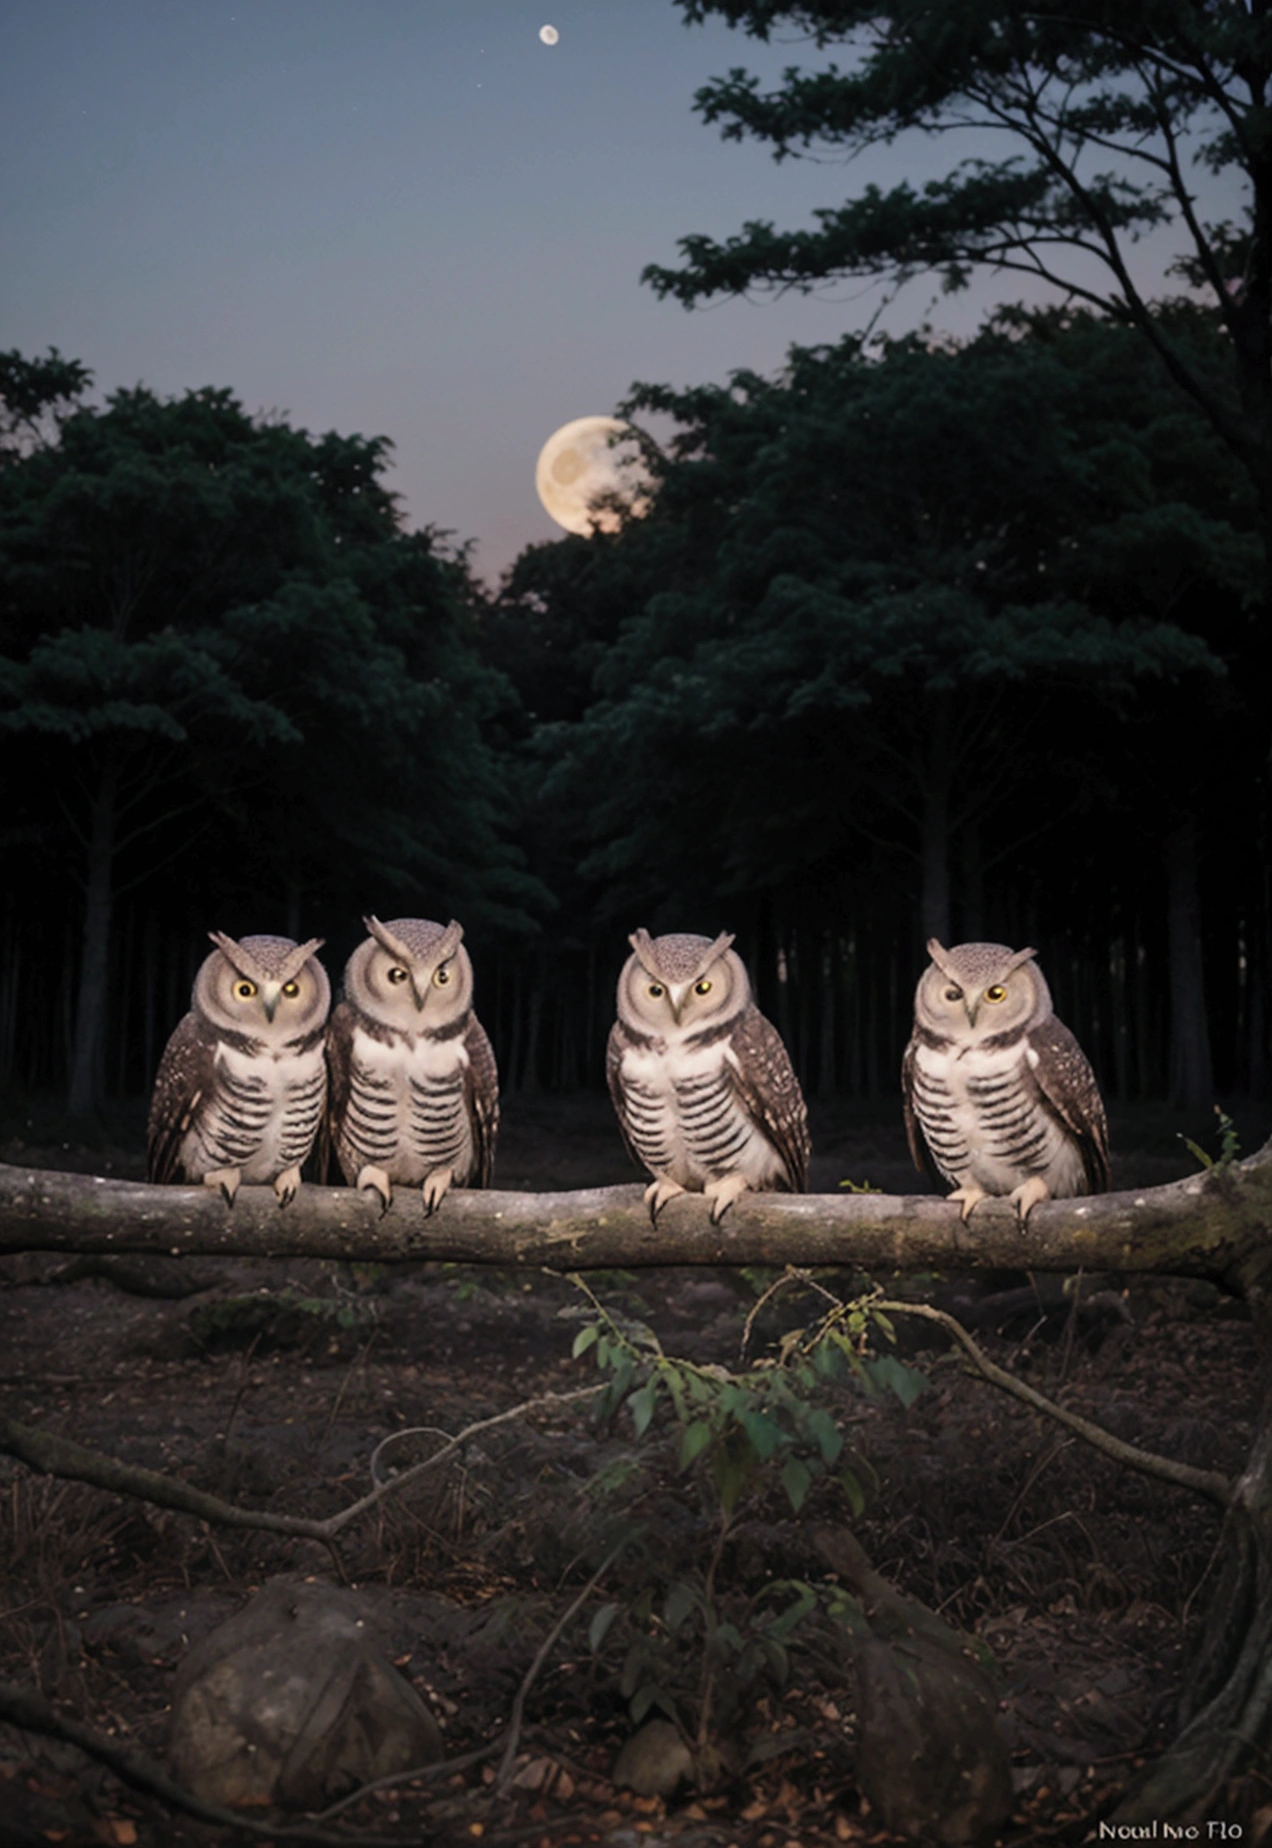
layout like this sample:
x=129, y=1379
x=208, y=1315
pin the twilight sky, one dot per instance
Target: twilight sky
x=398, y=217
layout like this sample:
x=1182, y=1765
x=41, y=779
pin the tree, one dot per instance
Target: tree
x=32, y=391
x=1114, y=115
x=884, y=569
x=902, y=626
x=212, y=624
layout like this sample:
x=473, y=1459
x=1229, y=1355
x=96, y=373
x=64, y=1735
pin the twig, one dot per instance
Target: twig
x=54, y=1455
x=1209, y=1482
x=337, y=1522
x=504, y=1774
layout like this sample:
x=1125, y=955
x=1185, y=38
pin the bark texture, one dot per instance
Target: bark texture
x=1215, y=1224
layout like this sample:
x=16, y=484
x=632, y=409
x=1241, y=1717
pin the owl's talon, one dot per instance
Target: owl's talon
x=722, y=1194
x=224, y=1180
x=1024, y=1198
x=375, y=1180
x=287, y=1186
x=657, y=1195
x=971, y=1196
x=436, y=1187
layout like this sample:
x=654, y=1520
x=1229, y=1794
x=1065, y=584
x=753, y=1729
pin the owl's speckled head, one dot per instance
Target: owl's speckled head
x=681, y=983
x=977, y=989
x=679, y=957
x=270, y=988
x=411, y=974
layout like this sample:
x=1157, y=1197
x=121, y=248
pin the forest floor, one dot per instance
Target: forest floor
x=272, y=1383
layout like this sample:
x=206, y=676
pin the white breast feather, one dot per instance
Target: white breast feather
x=413, y=1067
x=661, y=1084
x=281, y=1094
x=972, y=1139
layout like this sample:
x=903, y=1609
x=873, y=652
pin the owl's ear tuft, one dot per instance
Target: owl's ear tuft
x=295, y=960
x=941, y=958
x=722, y=943
x=643, y=944
x=450, y=940
x=1021, y=956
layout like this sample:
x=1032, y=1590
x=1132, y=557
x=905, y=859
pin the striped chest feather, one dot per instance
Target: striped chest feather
x=263, y=1114
x=407, y=1111
x=985, y=1119
x=685, y=1120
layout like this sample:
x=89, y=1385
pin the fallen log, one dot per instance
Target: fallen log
x=1216, y=1224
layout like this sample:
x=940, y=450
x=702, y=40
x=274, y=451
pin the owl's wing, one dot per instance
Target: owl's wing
x=183, y=1085
x=481, y=1095
x=1064, y=1076
x=339, y=1049
x=919, y=1150
x=615, y=1047
x=765, y=1081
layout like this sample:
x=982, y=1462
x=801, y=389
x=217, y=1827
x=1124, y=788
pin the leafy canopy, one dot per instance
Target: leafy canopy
x=1113, y=118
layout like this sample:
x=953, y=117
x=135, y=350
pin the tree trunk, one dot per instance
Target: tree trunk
x=90, y=1006
x=1191, y=1077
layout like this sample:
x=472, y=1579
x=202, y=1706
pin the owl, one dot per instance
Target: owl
x=414, y=1095
x=240, y=1088
x=704, y=1090
x=998, y=1093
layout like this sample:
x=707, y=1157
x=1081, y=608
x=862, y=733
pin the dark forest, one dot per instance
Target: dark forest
x=919, y=639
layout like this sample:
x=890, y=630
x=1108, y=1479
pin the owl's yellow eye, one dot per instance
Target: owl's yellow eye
x=657, y=990
x=245, y=990
x=291, y=990
x=996, y=993
x=953, y=994
x=441, y=976
x=703, y=987
x=398, y=976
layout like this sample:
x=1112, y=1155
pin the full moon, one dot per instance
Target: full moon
x=577, y=464
x=549, y=34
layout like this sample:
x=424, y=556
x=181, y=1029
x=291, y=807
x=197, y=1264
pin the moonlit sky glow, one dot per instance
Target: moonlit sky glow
x=400, y=220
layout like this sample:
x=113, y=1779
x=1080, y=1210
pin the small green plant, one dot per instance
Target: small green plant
x=279, y=1318
x=765, y=1419
x=739, y=1430
x=1229, y=1144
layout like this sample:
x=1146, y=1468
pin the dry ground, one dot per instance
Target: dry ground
x=272, y=1383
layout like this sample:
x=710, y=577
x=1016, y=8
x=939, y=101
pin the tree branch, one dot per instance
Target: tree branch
x=54, y=1455
x=1213, y=1224
x=1208, y=1482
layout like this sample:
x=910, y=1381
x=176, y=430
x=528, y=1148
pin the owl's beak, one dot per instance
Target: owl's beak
x=270, y=993
x=973, y=1008
x=677, y=997
x=421, y=995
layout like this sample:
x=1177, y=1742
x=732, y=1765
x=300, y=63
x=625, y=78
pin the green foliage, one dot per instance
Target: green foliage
x=1105, y=117
x=770, y=1421
x=1229, y=1144
x=682, y=1646
x=223, y=661
x=285, y=1318
x=884, y=594
x=32, y=391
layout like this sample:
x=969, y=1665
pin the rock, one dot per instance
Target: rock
x=931, y=1756
x=654, y=1760
x=294, y=1702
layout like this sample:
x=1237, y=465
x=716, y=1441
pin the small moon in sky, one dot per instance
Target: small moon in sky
x=549, y=34
x=577, y=464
